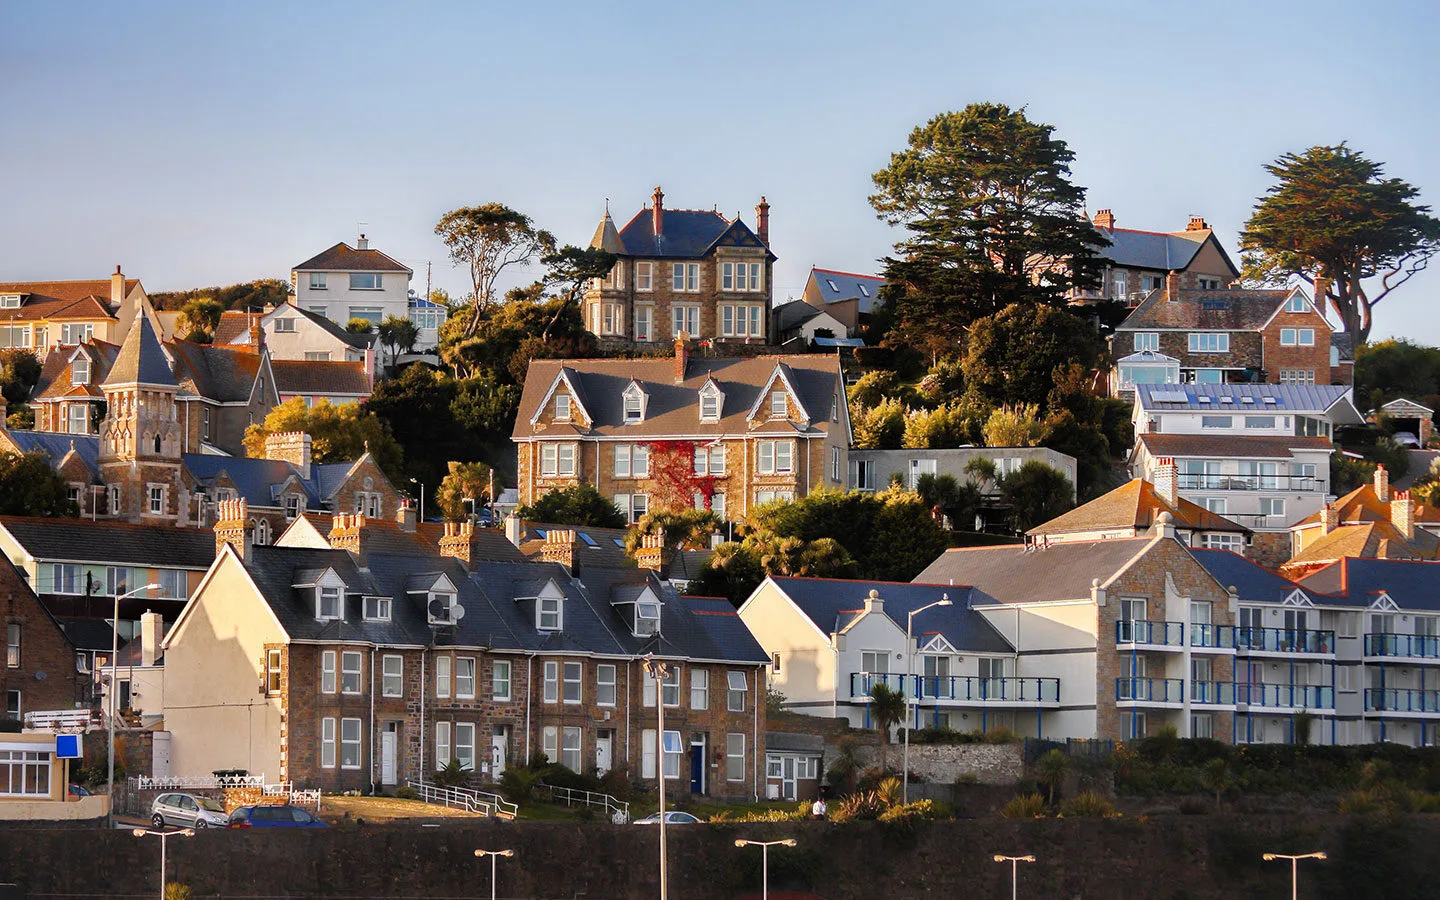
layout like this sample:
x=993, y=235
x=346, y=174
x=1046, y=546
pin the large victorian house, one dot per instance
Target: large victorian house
x=683, y=271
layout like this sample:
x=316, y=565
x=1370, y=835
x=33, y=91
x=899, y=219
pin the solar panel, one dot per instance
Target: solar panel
x=541, y=532
x=589, y=541
x=1203, y=399
x=1168, y=396
x=619, y=543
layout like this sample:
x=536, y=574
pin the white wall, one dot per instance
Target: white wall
x=807, y=663
x=393, y=298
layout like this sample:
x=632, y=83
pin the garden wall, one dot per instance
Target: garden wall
x=947, y=763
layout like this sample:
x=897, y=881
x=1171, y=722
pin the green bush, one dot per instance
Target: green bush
x=453, y=775
x=861, y=806
x=1025, y=806
x=518, y=783
x=1088, y=805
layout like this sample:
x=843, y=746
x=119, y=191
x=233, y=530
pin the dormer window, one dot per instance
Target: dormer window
x=710, y=402
x=9, y=301
x=80, y=370
x=1296, y=303
x=327, y=602
x=562, y=407
x=779, y=409
x=647, y=618
x=634, y=404
x=292, y=507
x=441, y=608
x=548, y=613
x=377, y=609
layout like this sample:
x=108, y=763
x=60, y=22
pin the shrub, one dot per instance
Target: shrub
x=1025, y=806
x=1002, y=735
x=918, y=809
x=1088, y=805
x=776, y=814
x=177, y=891
x=862, y=806
x=453, y=775
x=518, y=783
x=407, y=793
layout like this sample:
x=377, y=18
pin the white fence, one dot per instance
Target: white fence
x=482, y=802
x=617, y=811
x=200, y=782
x=64, y=719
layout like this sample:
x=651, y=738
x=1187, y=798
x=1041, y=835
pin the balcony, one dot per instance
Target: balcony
x=1285, y=696
x=1151, y=633
x=1157, y=691
x=1409, y=646
x=1282, y=483
x=1400, y=700
x=962, y=690
x=1213, y=637
x=1283, y=640
x=1217, y=693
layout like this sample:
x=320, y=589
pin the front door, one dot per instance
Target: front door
x=499, y=741
x=389, y=745
x=787, y=778
x=697, y=767
x=603, y=748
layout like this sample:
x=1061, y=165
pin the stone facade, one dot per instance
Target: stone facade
x=38, y=670
x=945, y=763
x=1312, y=361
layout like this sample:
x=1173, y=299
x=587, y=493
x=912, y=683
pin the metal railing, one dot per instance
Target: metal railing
x=1285, y=696
x=1284, y=640
x=960, y=688
x=1215, y=637
x=1286, y=483
x=1150, y=690
x=1221, y=693
x=203, y=782
x=1401, y=700
x=468, y=799
x=1150, y=631
x=1423, y=646
x=618, y=811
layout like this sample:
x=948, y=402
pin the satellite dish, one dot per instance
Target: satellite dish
x=39, y=676
x=457, y=612
x=439, y=611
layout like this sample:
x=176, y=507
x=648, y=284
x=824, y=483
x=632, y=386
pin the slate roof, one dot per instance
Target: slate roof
x=320, y=377
x=1135, y=504
x=1359, y=582
x=847, y=286
x=684, y=234
x=1364, y=505
x=794, y=314
x=605, y=548
x=1157, y=250
x=1231, y=445
x=1312, y=399
x=96, y=542
x=141, y=359
x=55, y=381
x=1223, y=310
x=486, y=543
x=1015, y=574
x=220, y=373
x=832, y=604
x=87, y=633
x=344, y=258
x=1344, y=342
x=674, y=409
x=56, y=444
x=1251, y=580
x=258, y=480
x=358, y=341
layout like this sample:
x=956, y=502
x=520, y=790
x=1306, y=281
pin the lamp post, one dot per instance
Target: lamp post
x=422, y=497
x=1012, y=860
x=660, y=670
x=494, y=855
x=765, y=860
x=114, y=671
x=1294, y=861
x=164, y=837
x=909, y=675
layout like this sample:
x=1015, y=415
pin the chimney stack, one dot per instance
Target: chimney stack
x=1165, y=525
x=652, y=553
x=1198, y=223
x=560, y=547
x=514, y=530
x=1382, y=484
x=151, y=631
x=362, y=243
x=1321, y=288
x=1402, y=514
x=1104, y=218
x=293, y=447
x=657, y=211
x=346, y=530
x=232, y=527
x=762, y=221
x=405, y=516
x=874, y=603
x=1172, y=286
x=117, y=287
x=458, y=542
x=1166, y=475
x=1329, y=518
x=682, y=355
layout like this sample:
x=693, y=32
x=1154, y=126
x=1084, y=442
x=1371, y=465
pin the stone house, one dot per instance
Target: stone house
x=725, y=434
x=369, y=659
x=41, y=670
x=42, y=315
x=683, y=271
x=1139, y=262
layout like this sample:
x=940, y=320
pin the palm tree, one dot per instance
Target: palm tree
x=887, y=709
x=1050, y=770
x=1215, y=776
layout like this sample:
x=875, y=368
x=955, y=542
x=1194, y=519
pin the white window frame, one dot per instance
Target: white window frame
x=317, y=281
x=366, y=281
x=465, y=670
x=644, y=322
x=770, y=460
x=1147, y=340
x=392, y=677
x=327, y=742
x=274, y=669
x=685, y=278
x=779, y=405
x=500, y=685
x=328, y=682
x=644, y=277
x=550, y=690
x=377, y=609
x=736, y=695
x=684, y=318
x=329, y=601
x=735, y=756
x=465, y=745
x=347, y=673
x=355, y=743
x=562, y=407
x=709, y=404
x=573, y=683
x=442, y=745
x=550, y=743
x=444, y=665
x=549, y=614
x=572, y=744
x=606, y=693
x=1209, y=342
x=699, y=688
x=557, y=460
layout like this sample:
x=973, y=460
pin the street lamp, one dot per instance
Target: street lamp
x=909, y=676
x=765, y=860
x=422, y=497
x=493, y=854
x=1294, y=860
x=1012, y=860
x=660, y=670
x=164, y=837
x=114, y=672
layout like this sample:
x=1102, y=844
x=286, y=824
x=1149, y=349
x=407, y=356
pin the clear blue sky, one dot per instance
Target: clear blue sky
x=209, y=143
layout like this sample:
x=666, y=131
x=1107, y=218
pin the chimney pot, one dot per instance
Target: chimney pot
x=1104, y=218
x=657, y=211
x=1197, y=223
x=762, y=221
x=1382, y=483
x=1166, y=476
x=1402, y=514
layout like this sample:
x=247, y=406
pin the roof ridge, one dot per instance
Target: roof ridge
x=847, y=274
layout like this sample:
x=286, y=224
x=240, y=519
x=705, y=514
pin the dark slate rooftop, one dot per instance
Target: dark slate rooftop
x=833, y=286
x=684, y=234
x=834, y=603
x=1252, y=581
x=358, y=341
x=87, y=633
x=1234, y=309
x=1033, y=574
x=1359, y=582
x=141, y=359
x=95, y=542
x=56, y=444
x=1152, y=249
x=258, y=480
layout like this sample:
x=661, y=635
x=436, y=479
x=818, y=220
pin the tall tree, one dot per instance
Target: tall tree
x=578, y=504
x=1332, y=216
x=201, y=316
x=398, y=335
x=1016, y=355
x=464, y=487
x=993, y=219
x=569, y=269
x=29, y=486
x=487, y=240
x=338, y=432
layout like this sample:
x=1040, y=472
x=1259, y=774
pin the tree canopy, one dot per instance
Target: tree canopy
x=487, y=240
x=1333, y=215
x=464, y=482
x=255, y=295
x=398, y=335
x=337, y=433
x=579, y=504
x=1013, y=356
x=993, y=219
x=200, y=317
x=19, y=373
x=30, y=487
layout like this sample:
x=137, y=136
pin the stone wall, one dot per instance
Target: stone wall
x=944, y=763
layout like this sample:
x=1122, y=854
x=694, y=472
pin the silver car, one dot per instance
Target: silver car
x=187, y=811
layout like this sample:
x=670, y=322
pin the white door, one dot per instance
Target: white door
x=160, y=755
x=787, y=779
x=498, y=743
x=389, y=743
x=602, y=752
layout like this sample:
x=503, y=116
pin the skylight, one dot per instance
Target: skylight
x=619, y=543
x=541, y=533
x=833, y=286
x=864, y=291
x=589, y=541
x=1250, y=400
x=1227, y=400
x=1203, y=399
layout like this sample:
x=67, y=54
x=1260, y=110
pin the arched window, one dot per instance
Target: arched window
x=261, y=532
x=157, y=442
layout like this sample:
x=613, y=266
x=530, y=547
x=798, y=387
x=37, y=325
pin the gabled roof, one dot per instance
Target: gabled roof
x=1334, y=400
x=56, y=444
x=358, y=341
x=1368, y=540
x=85, y=633
x=794, y=314
x=1135, y=504
x=605, y=548
x=344, y=258
x=1235, y=309
x=66, y=291
x=1360, y=582
x=55, y=371
x=834, y=286
x=1364, y=505
x=1161, y=251
x=320, y=377
x=141, y=359
x=82, y=540
x=832, y=603
x=1241, y=446
x=1034, y=574
x=220, y=373
x=1252, y=581
x=684, y=233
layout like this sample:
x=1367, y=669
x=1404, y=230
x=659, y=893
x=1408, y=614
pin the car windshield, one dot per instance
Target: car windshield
x=211, y=805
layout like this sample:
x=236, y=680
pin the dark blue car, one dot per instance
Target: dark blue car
x=274, y=817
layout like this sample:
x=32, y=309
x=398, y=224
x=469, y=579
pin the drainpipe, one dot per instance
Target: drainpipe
x=629, y=702
x=755, y=742
x=372, y=719
x=423, y=653
x=529, y=692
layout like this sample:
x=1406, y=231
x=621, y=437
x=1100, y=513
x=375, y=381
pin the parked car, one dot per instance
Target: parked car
x=672, y=817
x=78, y=791
x=1406, y=439
x=283, y=816
x=187, y=811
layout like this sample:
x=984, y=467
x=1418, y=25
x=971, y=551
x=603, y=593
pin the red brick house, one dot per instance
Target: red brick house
x=40, y=671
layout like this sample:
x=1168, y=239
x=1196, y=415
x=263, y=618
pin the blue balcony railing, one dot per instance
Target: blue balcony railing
x=1220, y=637
x=1150, y=690
x=1401, y=700
x=1218, y=692
x=1150, y=631
x=1285, y=696
x=1423, y=646
x=1284, y=640
x=960, y=688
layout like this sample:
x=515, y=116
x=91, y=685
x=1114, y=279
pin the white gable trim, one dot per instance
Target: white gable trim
x=1308, y=302
x=227, y=556
x=764, y=396
x=820, y=632
x=1297, y=598
x=938, y=644
x=562, y=376
x=1385, y=603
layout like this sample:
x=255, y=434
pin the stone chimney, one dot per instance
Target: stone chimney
x=1329, y=518
x=1165, y=525
x=652, y=552
x=874, y=603
x=1402, y=514
x=1382, y=484
x=257, y=334
x=1321, y=288
x=363, y=243
x=346, y=530
x=152, y=630
x=1166, y=476
x=514, y=530
x=657, y=211
x=117, y=287
x=762, y=221
x=1104, y=218
x=290, y=446
x=232, y=527
x=405, y=516
x=682, y=355
x=561, y=546
x=1198, y=223
x=1172, y=286
x=457, y=541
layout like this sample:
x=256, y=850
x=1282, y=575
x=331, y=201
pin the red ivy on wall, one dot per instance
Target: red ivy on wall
x=672, y=476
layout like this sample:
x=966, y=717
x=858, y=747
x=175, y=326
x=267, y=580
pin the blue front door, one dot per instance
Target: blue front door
x=697, y=768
